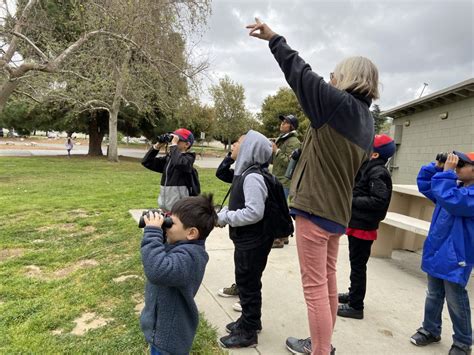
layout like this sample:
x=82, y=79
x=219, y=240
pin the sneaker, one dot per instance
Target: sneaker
x=233, y=325
x=343, y=297
x=239, y=338
x=237, y=307
x=232, y=291
x=423, y=337
x=302, y=346
x=346, y=311
x=298, y=346
x=278, y=243
x=286, y=240
x=459, y=350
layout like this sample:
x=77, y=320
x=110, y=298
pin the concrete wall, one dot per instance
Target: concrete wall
x=427, y=135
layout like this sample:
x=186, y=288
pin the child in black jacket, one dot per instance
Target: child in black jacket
x=176, y=168
x=371, y=198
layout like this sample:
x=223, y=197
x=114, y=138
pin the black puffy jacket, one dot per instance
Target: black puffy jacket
x=371, y=195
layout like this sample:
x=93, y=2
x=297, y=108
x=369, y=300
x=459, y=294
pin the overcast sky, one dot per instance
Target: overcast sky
x=411, y=42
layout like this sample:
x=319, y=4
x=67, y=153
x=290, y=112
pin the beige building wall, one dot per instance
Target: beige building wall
x=428, y=135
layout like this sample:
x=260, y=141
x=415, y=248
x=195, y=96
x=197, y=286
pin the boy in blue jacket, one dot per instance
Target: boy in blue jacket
x=174, y=269
x=448, y=252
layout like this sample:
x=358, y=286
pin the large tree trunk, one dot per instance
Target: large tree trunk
x=96, y=136
x=120, y=77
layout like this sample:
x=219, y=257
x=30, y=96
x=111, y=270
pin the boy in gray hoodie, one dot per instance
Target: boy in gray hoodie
x=244, y=216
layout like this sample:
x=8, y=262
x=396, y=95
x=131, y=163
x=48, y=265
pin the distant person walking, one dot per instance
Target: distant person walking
x=69, y=145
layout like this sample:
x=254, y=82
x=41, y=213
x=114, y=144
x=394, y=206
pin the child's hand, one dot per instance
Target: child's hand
x=155, y=219
x=175, y=139
x=451, y=162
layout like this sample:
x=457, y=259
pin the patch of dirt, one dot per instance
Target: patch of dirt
x=83, y=230
x=140, y=302
x=88, y=321
x=386, y=332
x=127, y=277
x=36, y=272
x=79, y=213
x=44, y=229
x=38, y=241
x=67, y=227
x=82, y=264
x=57, y=331
x=11, y=253
x=33, y=271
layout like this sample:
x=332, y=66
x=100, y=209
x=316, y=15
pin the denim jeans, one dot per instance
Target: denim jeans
x=154, y=351
x=458, y=307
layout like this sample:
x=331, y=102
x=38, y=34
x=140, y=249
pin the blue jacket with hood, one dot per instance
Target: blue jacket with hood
x=448, y=252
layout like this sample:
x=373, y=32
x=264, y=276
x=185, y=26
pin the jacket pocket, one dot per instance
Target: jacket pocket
x=300, y=176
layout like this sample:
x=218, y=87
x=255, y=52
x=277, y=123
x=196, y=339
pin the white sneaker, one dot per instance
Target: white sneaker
x=237, y=307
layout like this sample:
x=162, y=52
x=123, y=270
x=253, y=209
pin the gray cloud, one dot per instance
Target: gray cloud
x=411, y=42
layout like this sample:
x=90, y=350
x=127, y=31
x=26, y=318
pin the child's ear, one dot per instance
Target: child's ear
x=193, y=233
x=375, y=155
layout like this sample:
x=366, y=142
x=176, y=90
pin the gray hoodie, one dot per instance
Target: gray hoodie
x=254, y=149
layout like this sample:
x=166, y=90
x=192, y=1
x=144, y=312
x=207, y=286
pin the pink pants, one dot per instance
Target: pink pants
x=317, y=254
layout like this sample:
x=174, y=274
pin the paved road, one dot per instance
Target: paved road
x=205, y=162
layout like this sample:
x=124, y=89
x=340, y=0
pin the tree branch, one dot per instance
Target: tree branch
x=18, y=26
x=27, y=95
x=30, y=42
x=76, y=74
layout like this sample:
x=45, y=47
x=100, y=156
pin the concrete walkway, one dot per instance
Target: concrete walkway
x=201, y=162
x=394, y=302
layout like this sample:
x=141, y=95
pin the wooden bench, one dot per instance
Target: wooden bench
x=387, y=233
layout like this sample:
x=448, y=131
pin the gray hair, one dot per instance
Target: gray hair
x=358, y=74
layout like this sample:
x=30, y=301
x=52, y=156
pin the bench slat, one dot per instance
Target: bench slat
x=408, y=223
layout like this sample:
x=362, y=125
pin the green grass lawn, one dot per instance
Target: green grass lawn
x=65, y=234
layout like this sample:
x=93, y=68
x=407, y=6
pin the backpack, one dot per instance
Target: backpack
x=194, y=186
x=277, y=221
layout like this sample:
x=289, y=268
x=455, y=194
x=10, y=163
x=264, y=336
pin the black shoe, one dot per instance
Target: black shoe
x=343, y=297
x=239, y=338
x=423, y=337
x=459, y=350
x=346, y=311
x=233, y=325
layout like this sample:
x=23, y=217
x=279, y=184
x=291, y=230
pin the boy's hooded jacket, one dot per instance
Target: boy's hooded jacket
x=448, y=252
x=249, y=192
x=174, y=273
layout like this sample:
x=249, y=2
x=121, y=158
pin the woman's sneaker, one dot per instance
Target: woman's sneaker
x=298, y=346
x=237, y=307
x=423, y=337
x=232, y=291
x=302, y=346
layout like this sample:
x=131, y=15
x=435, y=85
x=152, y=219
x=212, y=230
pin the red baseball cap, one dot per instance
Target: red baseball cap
x=185, y=135
x=466, y=157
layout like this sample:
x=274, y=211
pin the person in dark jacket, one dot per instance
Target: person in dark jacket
x=336, y=144
x=244, y=215
x=370, y=201
x=176, y=168
x=283, y=147
x=448, y=251
x=174, y=268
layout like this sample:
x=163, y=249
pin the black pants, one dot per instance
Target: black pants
x=249, y=266
x=359, y=252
